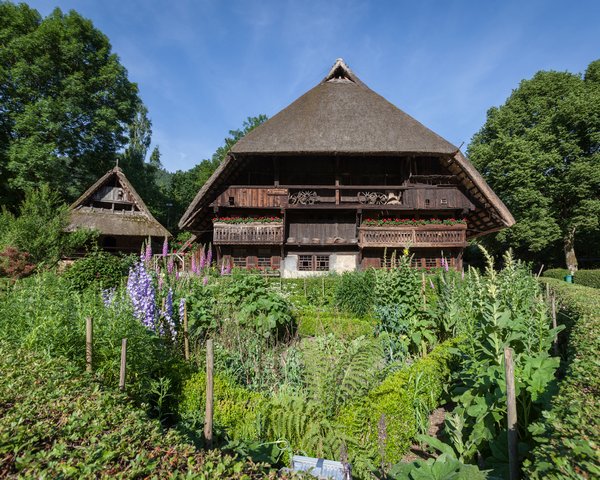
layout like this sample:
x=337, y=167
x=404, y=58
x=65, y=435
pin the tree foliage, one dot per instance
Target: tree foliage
x=540, y=152
x=65, y=102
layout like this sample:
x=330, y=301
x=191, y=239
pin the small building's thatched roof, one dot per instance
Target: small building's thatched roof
x=129, y=215
x=341, y=115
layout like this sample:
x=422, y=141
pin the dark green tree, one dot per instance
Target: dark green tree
x=540, y=152
x=65, y=102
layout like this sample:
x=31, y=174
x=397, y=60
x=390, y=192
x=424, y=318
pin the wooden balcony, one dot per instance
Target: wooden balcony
x=409, y=236
x=401, y=197
x=248, y=234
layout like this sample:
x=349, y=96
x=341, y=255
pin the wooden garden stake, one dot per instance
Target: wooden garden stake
x=208, y=417
x=511, y=404
x=554, y=323
x=423, y=290
x=123, y=364
x=88, y=344
x=186, y=335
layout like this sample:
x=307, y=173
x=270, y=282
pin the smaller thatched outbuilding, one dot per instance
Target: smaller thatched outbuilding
x=113, y=208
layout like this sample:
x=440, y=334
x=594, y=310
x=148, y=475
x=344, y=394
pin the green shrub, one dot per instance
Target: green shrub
x=354, y=292
x=100, y=269
x=384, y=423
x=568, y=438
x=588, y=278
x=236, y=408
x=59, y=423
x=558, y=273
x=39, y=228
x=313, y=322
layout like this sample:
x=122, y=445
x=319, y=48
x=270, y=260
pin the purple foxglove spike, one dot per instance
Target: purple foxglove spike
x=431, y=284
x=209, y=257
x=177, y=275
x=148, y=256
x=160, y=283
x=170, y=266
x=446, y=266
x=205, y=281
x=165, y=250
x=202, y=258
x=194, y=270
x=462, y=275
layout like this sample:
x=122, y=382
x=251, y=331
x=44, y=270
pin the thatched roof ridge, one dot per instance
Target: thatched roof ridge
x=342, y=115
x=139, y=223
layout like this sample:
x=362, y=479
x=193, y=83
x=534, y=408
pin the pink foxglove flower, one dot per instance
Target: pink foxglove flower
x=148, y=255
x=165, y=250
x=194, y=269
x=170, y=266
x=205, y=281
x=202, y=258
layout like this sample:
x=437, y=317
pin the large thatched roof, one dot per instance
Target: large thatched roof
x=341, y=115
x=133, y=220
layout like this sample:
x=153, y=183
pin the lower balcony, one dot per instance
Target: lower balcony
x=247, y=234
x=407, y=236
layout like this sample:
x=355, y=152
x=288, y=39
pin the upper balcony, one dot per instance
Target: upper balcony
x=248, y=234
x=415, y=236
x=411, y=197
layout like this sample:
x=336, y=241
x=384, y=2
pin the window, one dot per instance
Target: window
x=427, y=202
x=313, y=263
x=444, y=201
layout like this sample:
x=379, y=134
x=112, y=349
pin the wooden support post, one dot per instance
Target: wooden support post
x=123, y=364
x=208, y=417
x=186, y=334
x=511, y=409
x=554, y=322
x=88, y=343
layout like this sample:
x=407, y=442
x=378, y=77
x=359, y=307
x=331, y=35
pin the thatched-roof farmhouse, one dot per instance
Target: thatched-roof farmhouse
x=113, y=208
x=336, y=181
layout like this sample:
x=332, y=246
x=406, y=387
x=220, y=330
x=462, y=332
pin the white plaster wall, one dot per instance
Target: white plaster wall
x=343, y=262
x=339, y=263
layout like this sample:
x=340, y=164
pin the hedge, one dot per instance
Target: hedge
x=384, y=424
x=568, y=440
x=59, y=423
x=587, y=278
x=236, y=408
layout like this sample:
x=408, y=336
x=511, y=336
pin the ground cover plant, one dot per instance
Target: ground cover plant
x=57, y=422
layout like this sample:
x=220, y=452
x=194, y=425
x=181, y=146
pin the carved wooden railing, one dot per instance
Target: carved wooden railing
x=247, y=233
x=422, y=236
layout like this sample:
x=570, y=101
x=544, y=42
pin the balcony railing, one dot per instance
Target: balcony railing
x=424, y=236
x=247, y=234
x=400, y=197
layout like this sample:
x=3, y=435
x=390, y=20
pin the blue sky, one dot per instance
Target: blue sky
x=204, y=66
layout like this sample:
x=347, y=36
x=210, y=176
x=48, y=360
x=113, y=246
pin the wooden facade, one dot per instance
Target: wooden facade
x=308, y=190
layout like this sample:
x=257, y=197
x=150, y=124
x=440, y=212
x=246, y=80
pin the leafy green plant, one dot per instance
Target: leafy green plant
x=99, y=268
x=588, y=278
x=336, y=372
x=511, y=313
x=354, y=292
x=399, y=308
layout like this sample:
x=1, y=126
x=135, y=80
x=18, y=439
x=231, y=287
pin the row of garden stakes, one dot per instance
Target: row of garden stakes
x=208, y=418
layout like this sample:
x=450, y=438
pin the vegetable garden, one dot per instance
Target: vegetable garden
x=343, y=367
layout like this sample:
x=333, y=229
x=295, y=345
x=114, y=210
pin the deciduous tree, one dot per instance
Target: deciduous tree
x=540, y=152
x=65, y=102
